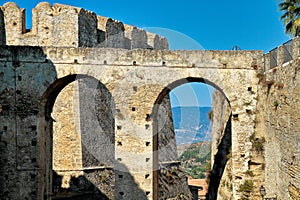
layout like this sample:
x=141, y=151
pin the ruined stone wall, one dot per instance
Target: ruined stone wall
x=66, y=26
x=279, y=114
x=219, y=116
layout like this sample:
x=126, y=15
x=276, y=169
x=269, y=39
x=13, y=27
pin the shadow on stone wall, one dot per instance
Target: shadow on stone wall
x=98, y=180
x=2, y=29
x=97, y=123
x=126, y=187
x=80, y=188
x=219, y=163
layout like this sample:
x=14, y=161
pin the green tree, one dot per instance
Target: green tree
x=291, y=16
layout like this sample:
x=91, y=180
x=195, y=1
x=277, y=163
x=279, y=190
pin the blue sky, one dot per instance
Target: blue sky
x=192, y=94
x=200, y=24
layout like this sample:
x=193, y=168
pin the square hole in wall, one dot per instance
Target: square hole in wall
x=119, y=144
x=147, y=126
x=33, y=160
x=5, y=128
x=147, y=176
x=32, y=177
x=33, y=143
x=119, y=159
x=134, y=88
x=33, y=128
x=121, y=193
x=249, y=89
x=147, y=193
x=119, y=127
x=120, y=176
x=147, y=159
x=147, y=144
x=235, y=116
x=133, y=108
x=148, y=117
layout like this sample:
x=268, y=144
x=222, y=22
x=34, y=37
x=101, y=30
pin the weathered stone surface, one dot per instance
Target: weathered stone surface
x=61, y=26
x=37, y=82
x=134, y=89
x=219, y=117
x=279, y=114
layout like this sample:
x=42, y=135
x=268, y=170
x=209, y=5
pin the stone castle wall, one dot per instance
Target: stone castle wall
x=66, y=26
x=33, y=78
x=279, y=124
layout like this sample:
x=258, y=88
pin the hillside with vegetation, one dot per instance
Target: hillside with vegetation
x=195, y=159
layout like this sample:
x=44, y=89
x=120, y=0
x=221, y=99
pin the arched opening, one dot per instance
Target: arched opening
x=76, y=140
x=169, y=178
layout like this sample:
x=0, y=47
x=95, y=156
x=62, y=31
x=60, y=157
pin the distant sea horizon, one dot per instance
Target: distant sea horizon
x=191, y=124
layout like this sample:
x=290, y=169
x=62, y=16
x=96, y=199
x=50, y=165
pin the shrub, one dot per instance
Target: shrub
x=257, y=143
x=250, y=173
x=246, y=187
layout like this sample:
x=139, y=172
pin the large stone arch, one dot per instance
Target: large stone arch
x=165, y=150
x=92, y=120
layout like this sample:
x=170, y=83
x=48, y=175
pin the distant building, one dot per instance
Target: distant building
x=198, y=188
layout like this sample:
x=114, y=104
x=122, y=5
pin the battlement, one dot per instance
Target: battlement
x=282, y=54
x=67, y=26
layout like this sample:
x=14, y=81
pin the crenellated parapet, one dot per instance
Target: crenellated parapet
x=67, y=26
